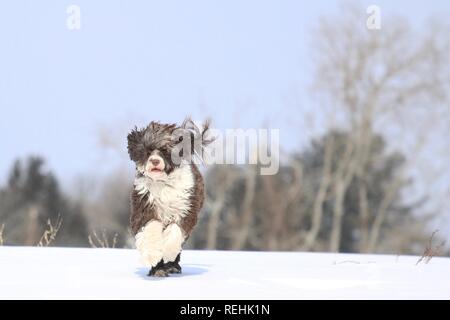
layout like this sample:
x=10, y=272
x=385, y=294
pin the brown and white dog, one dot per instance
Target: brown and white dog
x=168, y=191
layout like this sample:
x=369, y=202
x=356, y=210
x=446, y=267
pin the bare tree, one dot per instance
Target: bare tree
x=32, y=225
x=278, y=202
x=370, y=76
x=216, y=206
x=246, y=211
x=2, y=228
x=320, y=197
x=108, y=206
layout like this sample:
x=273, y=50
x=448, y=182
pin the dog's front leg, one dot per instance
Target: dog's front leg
x=172, y=240
x=149, y=243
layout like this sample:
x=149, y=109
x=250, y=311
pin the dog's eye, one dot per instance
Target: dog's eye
x=180, y=139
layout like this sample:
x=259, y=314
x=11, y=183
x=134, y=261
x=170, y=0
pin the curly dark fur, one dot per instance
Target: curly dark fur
x=142, y=212
x=196, y=199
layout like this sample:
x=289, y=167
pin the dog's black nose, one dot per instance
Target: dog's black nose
x=155, y=162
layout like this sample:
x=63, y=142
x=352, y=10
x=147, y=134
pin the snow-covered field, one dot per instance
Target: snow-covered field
x=62, y=273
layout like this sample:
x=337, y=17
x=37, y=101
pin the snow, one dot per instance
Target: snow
x=72, y=273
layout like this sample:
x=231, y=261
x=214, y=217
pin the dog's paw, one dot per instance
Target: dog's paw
x=173, y=269
x=160, y=273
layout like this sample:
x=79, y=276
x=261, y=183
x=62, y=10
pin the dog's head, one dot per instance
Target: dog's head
x=159, y=148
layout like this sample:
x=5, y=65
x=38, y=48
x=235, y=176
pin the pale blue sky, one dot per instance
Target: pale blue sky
x=136, y=61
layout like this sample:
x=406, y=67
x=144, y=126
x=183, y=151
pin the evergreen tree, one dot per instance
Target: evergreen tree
x=31, y=197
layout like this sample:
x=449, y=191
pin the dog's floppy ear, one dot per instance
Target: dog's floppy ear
x=205, y=138
x=199, y=138
x=136, y=148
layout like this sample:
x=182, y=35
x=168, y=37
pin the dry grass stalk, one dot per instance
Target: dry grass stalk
x=430, y=252
x=50, y=233
x=2, y=227
x=102, y=241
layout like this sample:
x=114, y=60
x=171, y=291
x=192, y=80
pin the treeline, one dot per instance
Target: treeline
x=32, y=200
x=300, y=208
x=294, y=210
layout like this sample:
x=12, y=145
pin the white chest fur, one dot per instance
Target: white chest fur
x=169, y=195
